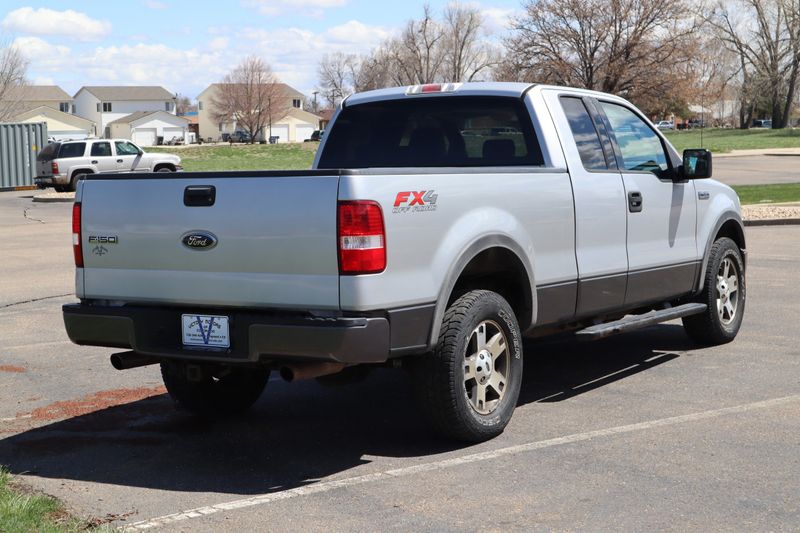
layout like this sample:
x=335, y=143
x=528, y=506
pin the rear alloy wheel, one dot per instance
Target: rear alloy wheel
x=725, y=294
x=469, y=386
x=213, y=389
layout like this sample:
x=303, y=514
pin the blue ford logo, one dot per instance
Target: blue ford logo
x=199, y=240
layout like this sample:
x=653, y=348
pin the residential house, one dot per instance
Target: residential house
x=325, y=117
x=296, y=126
x=49, y=104
x=60, y=126
x=148, y=128
x=104, y=105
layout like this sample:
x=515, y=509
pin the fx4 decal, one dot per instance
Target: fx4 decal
x=415, y=201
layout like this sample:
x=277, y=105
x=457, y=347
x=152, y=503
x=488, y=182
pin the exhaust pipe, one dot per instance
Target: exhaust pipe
x=301, y=371
x=128, y=360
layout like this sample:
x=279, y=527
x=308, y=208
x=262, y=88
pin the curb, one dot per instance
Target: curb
x=773, y=222
x=21, y=188
x=53, y=199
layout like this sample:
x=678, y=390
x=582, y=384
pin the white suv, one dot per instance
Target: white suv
x=61, y=164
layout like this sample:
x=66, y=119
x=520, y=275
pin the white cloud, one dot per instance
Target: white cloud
x=218, y=43
x=154, y=4
x=43, y=80
x=294, y=53
x=311, y=8
x=497, y=19
x=41, y=53
x=44, y=21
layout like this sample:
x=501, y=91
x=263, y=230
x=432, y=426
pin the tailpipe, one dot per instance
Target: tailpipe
x=302, y=371
x=128, y=360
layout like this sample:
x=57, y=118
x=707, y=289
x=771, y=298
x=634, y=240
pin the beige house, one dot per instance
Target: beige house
x=296, y=126
x=60, y=125
x=28, y=97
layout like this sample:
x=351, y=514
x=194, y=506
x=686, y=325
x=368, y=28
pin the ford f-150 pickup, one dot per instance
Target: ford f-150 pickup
x=439, y=225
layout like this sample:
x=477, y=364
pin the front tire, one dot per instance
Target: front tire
x=724, y=291
x=213, y=389
x=469, y=386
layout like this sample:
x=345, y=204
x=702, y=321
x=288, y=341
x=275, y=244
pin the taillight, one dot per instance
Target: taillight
x=54, y=167
x=76, y=235
x=362, y=239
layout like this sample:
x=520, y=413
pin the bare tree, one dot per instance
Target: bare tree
x=466, y=53
x=182, y=104
x=766, y=36
x=418, y=53
x=635, y=48
x=252, y=96
x=13, y=67
x=336, y=76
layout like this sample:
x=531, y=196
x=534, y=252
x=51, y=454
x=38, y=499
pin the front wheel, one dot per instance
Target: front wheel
x=724, y=292
x=469, y=386
x=213, y=389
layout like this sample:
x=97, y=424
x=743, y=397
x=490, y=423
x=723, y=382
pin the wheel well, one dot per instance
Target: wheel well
x=499, y=270
x=164, y=165
x=80, y=171
x=733, y=230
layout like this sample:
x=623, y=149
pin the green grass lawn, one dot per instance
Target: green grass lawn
x=768, y=194
x=724, y=140
x=244, y=156
x=21, y=512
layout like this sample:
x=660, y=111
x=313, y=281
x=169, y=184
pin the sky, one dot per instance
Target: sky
x=186, y=45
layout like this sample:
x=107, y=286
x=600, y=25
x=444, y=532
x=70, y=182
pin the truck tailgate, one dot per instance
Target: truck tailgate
x=275, y=241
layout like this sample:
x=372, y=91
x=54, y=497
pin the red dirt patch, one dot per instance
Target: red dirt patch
x=11, y=368
x=94, y=402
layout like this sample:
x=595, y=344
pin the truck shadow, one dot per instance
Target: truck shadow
x=299, y=433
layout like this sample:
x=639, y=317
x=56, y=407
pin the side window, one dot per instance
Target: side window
x=101, y=149
x=125, y=148
x=641, y=148
x=72, y=150
x=584, y=133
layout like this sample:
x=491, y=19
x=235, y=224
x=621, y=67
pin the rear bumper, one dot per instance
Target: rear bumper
x=49, y=181
x=256, y=336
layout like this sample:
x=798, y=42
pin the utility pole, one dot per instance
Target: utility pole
x=315, y=93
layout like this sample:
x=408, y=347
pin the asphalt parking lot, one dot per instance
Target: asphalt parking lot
x=638, y=432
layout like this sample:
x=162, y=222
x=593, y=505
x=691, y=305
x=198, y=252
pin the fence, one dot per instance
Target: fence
x=19, y=146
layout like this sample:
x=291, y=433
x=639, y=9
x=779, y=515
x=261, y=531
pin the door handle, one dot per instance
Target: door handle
x=635, y=201
x=94, y=161
x=119, y=160
x=199, y=195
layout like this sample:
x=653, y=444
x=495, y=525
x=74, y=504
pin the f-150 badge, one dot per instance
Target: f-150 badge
x=415, y=201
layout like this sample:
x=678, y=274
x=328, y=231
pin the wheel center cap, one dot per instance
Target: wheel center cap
x=483, y=367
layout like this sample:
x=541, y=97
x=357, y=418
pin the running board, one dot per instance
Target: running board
x=630, y=323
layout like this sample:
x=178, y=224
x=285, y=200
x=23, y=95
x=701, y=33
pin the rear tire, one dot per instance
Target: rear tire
x=469, y=386
x=213, y=389
x=73, y=182
x=725, y=293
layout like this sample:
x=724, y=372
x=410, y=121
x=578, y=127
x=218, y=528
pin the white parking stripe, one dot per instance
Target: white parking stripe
x=11, y=419
x=325, y=486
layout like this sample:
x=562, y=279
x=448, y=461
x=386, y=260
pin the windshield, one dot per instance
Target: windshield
x=455, y=131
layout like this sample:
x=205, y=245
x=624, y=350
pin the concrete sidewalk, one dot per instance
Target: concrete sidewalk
x=760, y=152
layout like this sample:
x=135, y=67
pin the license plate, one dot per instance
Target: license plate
x=206, y=330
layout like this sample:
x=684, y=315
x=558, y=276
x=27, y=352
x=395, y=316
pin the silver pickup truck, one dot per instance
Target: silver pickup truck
x=439, y=225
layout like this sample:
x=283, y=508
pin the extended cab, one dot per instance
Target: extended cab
x=62, y=164
x=439, y=224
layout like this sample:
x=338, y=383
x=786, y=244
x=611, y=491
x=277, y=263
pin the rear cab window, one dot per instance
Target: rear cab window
x=72, y=150
x=452, y=131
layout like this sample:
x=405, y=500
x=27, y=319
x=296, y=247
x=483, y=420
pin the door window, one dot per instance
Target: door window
x=126, y=148
x=101, y=149
x=639, y=145
x=584, y=133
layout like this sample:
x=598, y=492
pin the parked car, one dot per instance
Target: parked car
x=316, y=136
x=62, y=164
x=665, y=125
x=410, y=245
x=762, y=123
x=239, y=136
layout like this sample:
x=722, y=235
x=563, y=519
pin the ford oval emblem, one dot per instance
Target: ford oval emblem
x=199, y=240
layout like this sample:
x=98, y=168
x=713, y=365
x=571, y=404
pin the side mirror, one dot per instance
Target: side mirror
x=696, y=164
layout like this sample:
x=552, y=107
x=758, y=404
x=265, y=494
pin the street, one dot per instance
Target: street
x=644, y=431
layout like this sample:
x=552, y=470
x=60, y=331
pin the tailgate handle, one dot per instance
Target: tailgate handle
x=199, y=195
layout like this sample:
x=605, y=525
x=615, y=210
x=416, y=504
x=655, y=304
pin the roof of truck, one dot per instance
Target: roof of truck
x=462, y=89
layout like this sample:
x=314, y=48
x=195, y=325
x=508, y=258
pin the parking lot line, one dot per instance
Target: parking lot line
x=325, y=486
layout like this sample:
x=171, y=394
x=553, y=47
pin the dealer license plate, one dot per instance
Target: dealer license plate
x=206, y=330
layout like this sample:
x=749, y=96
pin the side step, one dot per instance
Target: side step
x=633, y=322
